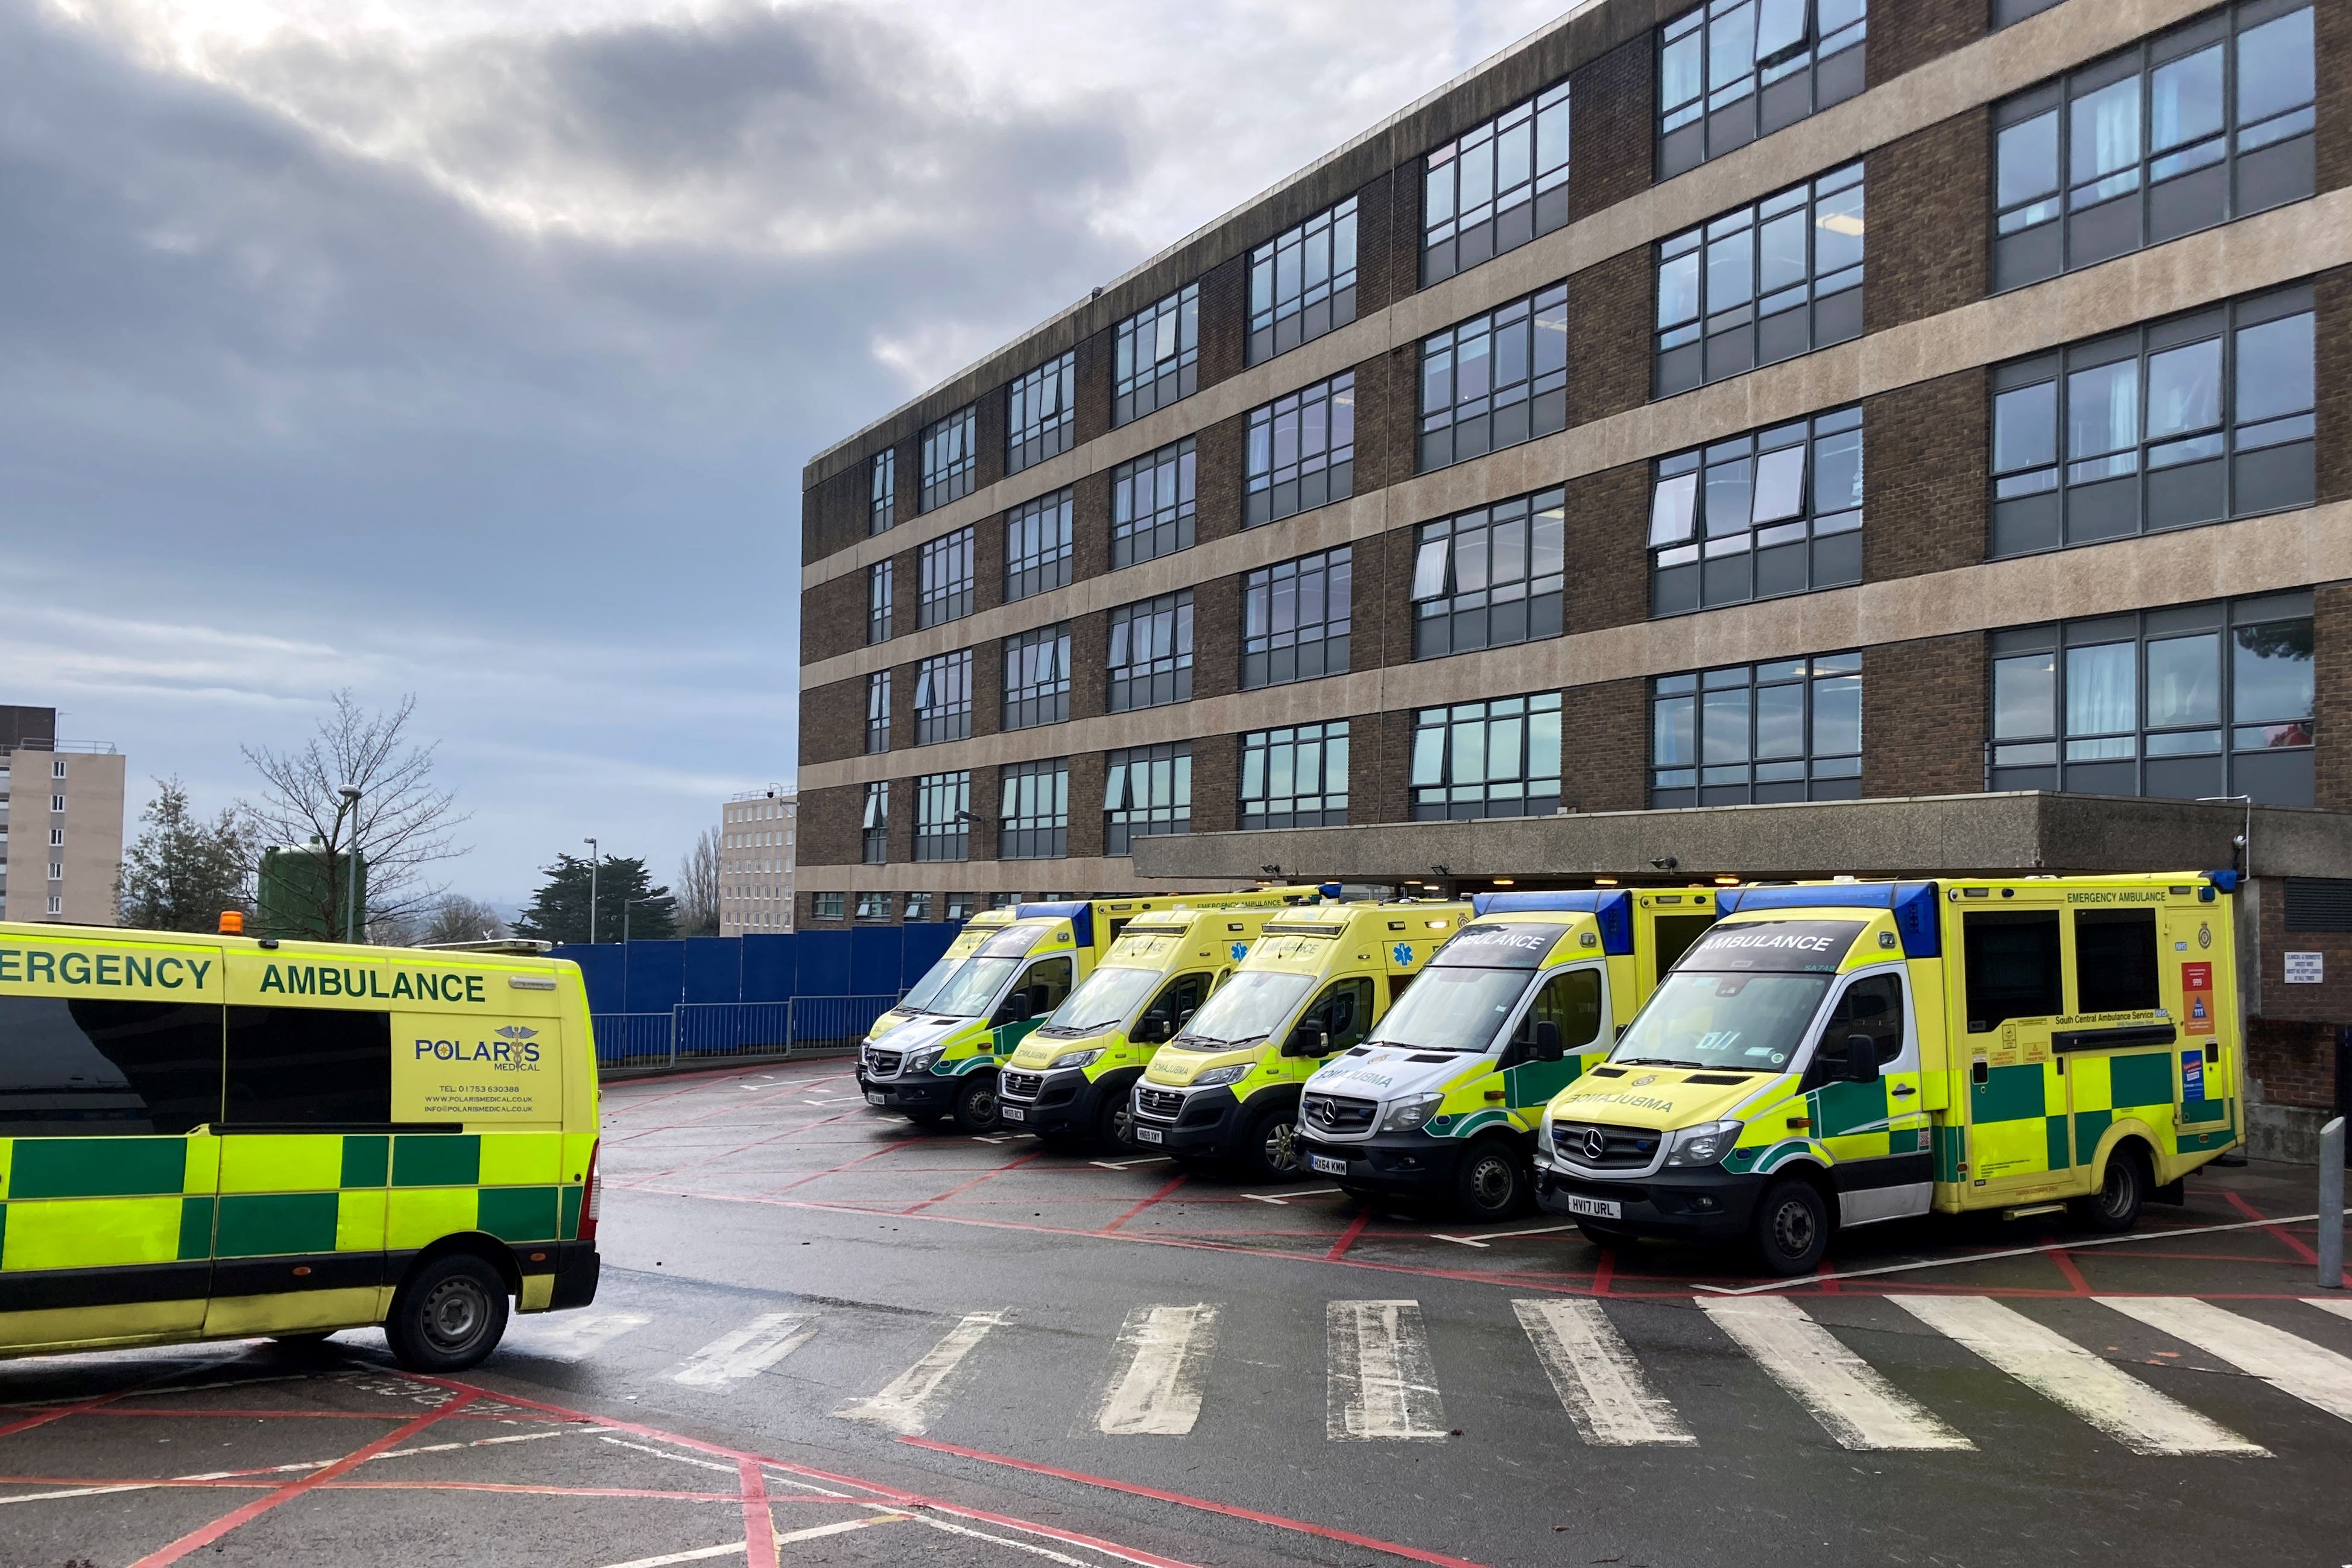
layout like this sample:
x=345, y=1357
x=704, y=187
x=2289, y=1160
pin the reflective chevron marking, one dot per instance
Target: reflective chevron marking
x=1846, y=1394
x=1593, y=1372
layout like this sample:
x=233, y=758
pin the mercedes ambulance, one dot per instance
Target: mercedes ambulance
x=1227, y=1088
x=211, y=1138
x=1835, y=1055
x=1441, y=1099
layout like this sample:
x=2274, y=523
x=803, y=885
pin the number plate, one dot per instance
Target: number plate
x=1595, y=1209
x=1150, y=1135
x=1327, y=1164
x=875, y=1096
x=1012, y=1113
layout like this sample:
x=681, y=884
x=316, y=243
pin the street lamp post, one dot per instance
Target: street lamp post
x=628, y=905
x=592, y=889
x=350, y=794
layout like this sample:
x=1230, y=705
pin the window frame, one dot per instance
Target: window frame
x=1825, y=64
x=1167, y=678
x=877, y=711
x=1275, y=654
x=1030, y=702
x=1031, y=572
x=1826, y=301
x=950, y=457
x=945, y=567
x=1453, y=238
x=828, y=906
x=1138, y=387
x=1034, y=810
x=1810, y=772
x=1453, y=426
x=1291, y=299
x=882, y=497
x=881, y=589
x=1040, y=413
x=1823, y=545
x=1301, y=451
x=943, y=698
x=940, y=834
x=874, y=824
x=1536, y=599
x=1287, y=756
x=1135, y=537
x=1129, y=814
x=1441, y=785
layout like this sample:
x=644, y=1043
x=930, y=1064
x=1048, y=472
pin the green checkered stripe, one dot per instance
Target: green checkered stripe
x=2075, y=1111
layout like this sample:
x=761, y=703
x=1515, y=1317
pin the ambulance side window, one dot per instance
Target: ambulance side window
x=85, y=1069
x=1048, y=982
x=1872, y=1007
x=2013, y=966
x=1345, y=1012
x=1397, y=984
x=2114, y=960
x=1572, y=1001
x=312, y=1066
x=1180, y=999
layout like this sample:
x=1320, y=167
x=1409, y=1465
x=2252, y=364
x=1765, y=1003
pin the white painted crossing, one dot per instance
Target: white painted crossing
x=909, y=1401
x=1593, y=1372
x=747, y=1351
x=2340, y=1308
x=2312, y=1374
x=1382, y=1380
x=2063, y=1371
x=574, y=1336
x=1853, y=1402
x=1158, y=1369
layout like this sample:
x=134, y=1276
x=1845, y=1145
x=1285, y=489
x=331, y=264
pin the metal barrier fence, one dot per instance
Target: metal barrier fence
x=722, y=1031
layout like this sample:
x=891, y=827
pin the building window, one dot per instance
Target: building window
x=2186, y=421
x=1496, y=188
x=2187, y=130
x=943, y=699
x=56, y=837
x=57, y=905
x=950, y=449
x=1151, y=505
x=2009, y=13
x=1791, y=729
x=1037, y=678
x=56, y=871
x=874, y=906
x=879, y=591
x=1496, y=380
x=1763, y=284
x=876, y=824
x=58, y=768
x=919, y=906
x=1302, y=450
x=1490, y=577
x=1148, y=790
x=1776, y=512
x=947, y=579
x=826, y=905
x=1486, y=758
x=1158, y=356
x=882, y=506
x=943, y=802
x=960, y=906
x=2200, y=699
x=1034, y=813
x=1151, y=652
x=1303, y=283
x=877, y=711
x=1295, y=777
x=1732, y=70
x=1037, y=546
x=1040, y=413
x=1296, y=619
x=56, y=803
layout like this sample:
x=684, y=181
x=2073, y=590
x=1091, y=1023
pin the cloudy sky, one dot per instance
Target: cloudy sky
x=472, y=348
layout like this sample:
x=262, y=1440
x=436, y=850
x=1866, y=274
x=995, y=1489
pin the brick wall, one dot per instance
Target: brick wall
x=2333, y=354
x=1217, y=637
x=1098, y=362
x=1385, y=419
x=2334, y=47
x=1906, y=36
x=1605, y=746
x=1923, y=717
x=1380, y=607
x=833, y=617
x=2332, y=692
x=829, y=827
x=1224, y=321
x=1379, y=768
x=1091, y=526
x=1387, y=208
x=1087, y=772
x=2330, y=1001
x=1090, y=678
x=989, y=413
x=1219, y=456
x=1924, y=462
x=1927, y=201
x=988, y=688
x=1608, y=550
x=832, y=722
x=1612, y=110
x=1610, y=310
x=1216, y=783
x=2293, y=1062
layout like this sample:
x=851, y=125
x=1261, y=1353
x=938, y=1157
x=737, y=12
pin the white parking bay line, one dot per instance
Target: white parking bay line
x=748, y=1351
x=573, y=1338
x=1382, y=1379
x=1500, y=1235
x=2310, y=1373
x=1286, y=1197
x=909, y=1401
x=1593, y=1372
x=2063, y=1371
x=1126, y=1164
x=1845, y=1394
x=1158, y=1369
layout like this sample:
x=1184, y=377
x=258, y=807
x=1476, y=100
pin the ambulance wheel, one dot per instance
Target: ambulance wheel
x=448, y=1315
x=1115, y=1123
x=1793, y=1228
x=1489, y=1182
x=975, y=1103
x=1270, y=1145
x=2116, y=1206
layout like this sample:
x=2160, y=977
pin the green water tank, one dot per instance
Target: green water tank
x=304, y=892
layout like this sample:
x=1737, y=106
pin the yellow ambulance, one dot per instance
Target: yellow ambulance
x=1834, y=1055
x=1442, y=1098
x=1227, y=1088
x=207, y=1137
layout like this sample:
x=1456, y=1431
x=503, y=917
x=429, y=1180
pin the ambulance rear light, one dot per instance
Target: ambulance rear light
x=589, y=1196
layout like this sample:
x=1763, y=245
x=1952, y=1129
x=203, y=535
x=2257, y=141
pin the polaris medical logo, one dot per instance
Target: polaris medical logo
x=514, y=1048
x=1803, y=946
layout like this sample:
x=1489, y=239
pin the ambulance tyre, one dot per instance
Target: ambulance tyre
x=2115, y=1208
x=448, y=1315
x=1115, y=1122
x=975, y=1103
x=1490, y=1181
x=1269, y=1144
x=1791, y=1228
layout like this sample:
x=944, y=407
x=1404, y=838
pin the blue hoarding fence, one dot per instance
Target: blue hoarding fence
x=699, y=1032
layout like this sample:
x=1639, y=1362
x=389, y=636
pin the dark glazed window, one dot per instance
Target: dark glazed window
x=943, y=699
x=2015, y=968
x=1302, y=450
x=1296, y=619
x=947, y=579
x=2186, y=421
x=1486, y=758
x=309, y=1065
x=1732, y=70
x=878, y=591
x=1034, y=816
x=1303, y=283
x=1762, y=284
x=1158, y=356
x=874, y=906
x=2210, y=121
x=1151, y=652
x=949, y=453
x=2114, y=960
x=1295, y=777
x=1151, y=505
x=1148, y=790
x=1037, y=678
x=86, y=1068
x=877, y=711
x=826, y=905
x=942, y=801
x=1037, y=546
x=2009, y=13
x=1040, y=419
x=1490, y=577
x=1496, y=380
x=1496, y=188
x=882, y=503
x=1758, y=516
x=875, y=826
x=1791, y=729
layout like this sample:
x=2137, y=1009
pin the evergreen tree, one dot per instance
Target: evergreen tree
x=559, y=910
x=182, y=872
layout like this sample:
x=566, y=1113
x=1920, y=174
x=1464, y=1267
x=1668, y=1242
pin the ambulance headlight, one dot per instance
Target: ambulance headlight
x=1216, y=1076
x=1544, y=1145
x=1410, y=1113
x=1705, y=1145
x=1076, y=1059
x=924, y=1060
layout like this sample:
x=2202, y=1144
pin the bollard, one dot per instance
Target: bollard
x=2331, y=1205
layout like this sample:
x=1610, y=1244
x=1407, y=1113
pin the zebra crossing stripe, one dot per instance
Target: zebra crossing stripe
x=909, y=1401
x=1159, y=1368
x=573, y=1337
x=2063, y=1371
x=1593, y=1372
x=1846, y=1394
x=2341, y=1308
x=748, y=1351
x=1382, y=1379
x=2316, y=1375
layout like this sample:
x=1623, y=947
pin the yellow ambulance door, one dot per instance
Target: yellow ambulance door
x=1575, y=1001
x=1876, y=1131
x=2114, y=1050
x=2011, y=992
x=2198, y=975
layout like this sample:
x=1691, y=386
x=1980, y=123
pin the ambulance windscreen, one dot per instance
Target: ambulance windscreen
x=1455, y=1008
x=1499, y=946
x=1740, y=1023
x=1788, y=947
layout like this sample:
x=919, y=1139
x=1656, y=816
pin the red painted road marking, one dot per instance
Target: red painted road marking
x=1604, y=1273
x=2293, y=1241
x=2064, y=1263
x=1174, y=1184
x=804, y=1180
x=1347, y=1237
x=760, y=1546
x=988, y=1176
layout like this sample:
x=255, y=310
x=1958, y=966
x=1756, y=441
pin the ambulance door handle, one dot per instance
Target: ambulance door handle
x=1903, y=1091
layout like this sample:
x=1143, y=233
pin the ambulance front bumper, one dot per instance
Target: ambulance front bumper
x=1402, y=1164
x=1709, y=1205
x=918, y=1094
x=1192, y=1123
x=1050, y=1103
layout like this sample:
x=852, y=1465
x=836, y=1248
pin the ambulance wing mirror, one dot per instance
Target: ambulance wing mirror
x=1547, y=1046
x=1018, y=1008
x=1308, y=1040
x=1861, y=1059
x=1152, y=1029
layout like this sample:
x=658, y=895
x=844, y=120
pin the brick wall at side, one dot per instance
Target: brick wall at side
x=834, y=513
x=833, y=617
x=2294, y=1061
x=1605, y=746
x=1385, y=419
x=1906, y=37
x=1608, y=550
x=1216, y=783
x=1384, y=271
x=1217, y=637
x=1613, y=127
x=2330, y=1001
x=1924, y=462
x=1097, y=359
x=2332, y=694
x=1379, y=604
x=2334, y=47
x=1923, y=717
x=1927, y=196
x=2332, y=351
x=1091, y=526
x=987, y=688
x=1224, y=321
x=1087, y=775
x=832, y=722
x=829, y=825
x=1379, y=768
x=1219, y=456
x=1608, y=339
x=1089, y=673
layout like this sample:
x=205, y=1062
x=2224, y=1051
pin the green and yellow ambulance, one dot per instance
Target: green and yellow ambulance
x=1834, y=1055
x=206, y=1137
x=1071, y=1080
x=1442, y=1098
x=1227, y=1088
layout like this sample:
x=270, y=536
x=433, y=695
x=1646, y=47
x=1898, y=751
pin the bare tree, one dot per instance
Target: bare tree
x=453, y=917
x=697, y=886
x=402, y=822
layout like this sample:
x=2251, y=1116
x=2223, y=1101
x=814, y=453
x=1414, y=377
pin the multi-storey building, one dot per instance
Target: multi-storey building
x=1740, y=438
x=756, y=849
x=60, y=822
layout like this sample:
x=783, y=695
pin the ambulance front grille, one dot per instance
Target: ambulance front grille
x=1160, y=1103
x=1335, y=1113
x=1019, y=1085
x=883, y=1064
x=1599, y=1147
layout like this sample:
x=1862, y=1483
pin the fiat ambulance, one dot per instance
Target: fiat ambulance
x=1441, y=1099
x=1835, y=1055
